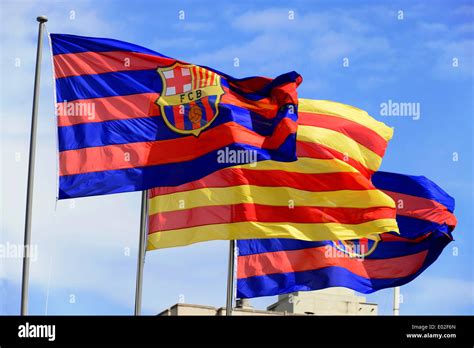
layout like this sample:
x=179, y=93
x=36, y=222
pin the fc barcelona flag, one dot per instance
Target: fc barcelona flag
x=130, y=119
x=425, y=219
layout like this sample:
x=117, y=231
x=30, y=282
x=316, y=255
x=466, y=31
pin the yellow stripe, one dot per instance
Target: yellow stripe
x=273, y=196
x=345, y=111
x=208, y=77
x=341, y=143
x=195, y=78
x=249, y=230
x=305, y=165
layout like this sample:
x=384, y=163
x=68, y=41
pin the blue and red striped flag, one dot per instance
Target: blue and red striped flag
x=130, y=119
x=425, y=219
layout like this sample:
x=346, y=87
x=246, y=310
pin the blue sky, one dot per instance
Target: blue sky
x=87, y=247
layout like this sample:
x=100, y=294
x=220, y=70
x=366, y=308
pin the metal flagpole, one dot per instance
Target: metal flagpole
x=141, y=252
x=230, y=279
x=31, y=171
x=396, y=300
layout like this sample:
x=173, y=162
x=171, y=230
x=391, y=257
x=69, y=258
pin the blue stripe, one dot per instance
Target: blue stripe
x=108, y=85
x=384, y=250
x=203, y=121
x=268, y=245
x=283, y=283
x=154, y=128
x=64, y=43
x=265, y=92
x=412, y=228
x=187, y=122
x=388, y=250
x=169, y=111
x=173, y=174
x=419, y=186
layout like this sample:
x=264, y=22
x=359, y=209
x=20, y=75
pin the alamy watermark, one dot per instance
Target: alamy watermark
x=13, y=251
x=28, y=330
x=76, y=109
x=230, y=156
x=356, y=251
x=399, y=109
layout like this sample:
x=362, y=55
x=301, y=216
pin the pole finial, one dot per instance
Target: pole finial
x=42, y=19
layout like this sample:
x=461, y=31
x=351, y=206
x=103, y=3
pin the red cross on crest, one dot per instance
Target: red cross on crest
x=178, y=80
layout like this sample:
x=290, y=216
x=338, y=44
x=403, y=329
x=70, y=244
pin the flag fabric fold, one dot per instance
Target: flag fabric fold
x=425, y=218
x=325, y=194
x=130, y=119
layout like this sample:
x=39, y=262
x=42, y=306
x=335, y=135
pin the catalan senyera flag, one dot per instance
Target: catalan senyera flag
x=425, y=218
x=326, y=194
x=130, y=119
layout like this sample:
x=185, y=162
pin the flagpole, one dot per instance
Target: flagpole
x=396, y=300
x=141, y=252
x=230, y=279
x=31, y=170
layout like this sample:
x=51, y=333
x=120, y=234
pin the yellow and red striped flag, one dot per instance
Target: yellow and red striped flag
x=326, y=194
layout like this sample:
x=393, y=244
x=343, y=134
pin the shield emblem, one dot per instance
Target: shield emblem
x=189, y=98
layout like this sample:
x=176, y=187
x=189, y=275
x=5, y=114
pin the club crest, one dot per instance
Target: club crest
x=189, y=98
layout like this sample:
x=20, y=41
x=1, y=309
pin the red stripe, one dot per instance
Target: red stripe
x=196, y=77
x=267, y=107
x=388, y=237
x=111, y=108
x=208, y=111
x=142, y=154
x=200, y=77
x=223, y=214
x=422, y=208
x=314, y=150
x=273, y=178
x=251, y=84
x=178, y=117
x=213, y=80
x=264, y=107
x=286, y=93
x=206, y=83
x=204, y=79
x=315, y=258
x=361, y=134
x=85, y=63
x=193, y=77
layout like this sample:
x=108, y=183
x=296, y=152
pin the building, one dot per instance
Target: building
x=333, y=301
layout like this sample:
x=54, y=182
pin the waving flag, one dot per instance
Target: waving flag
x=325, y=194
x=425, y=219
x=130, y=119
